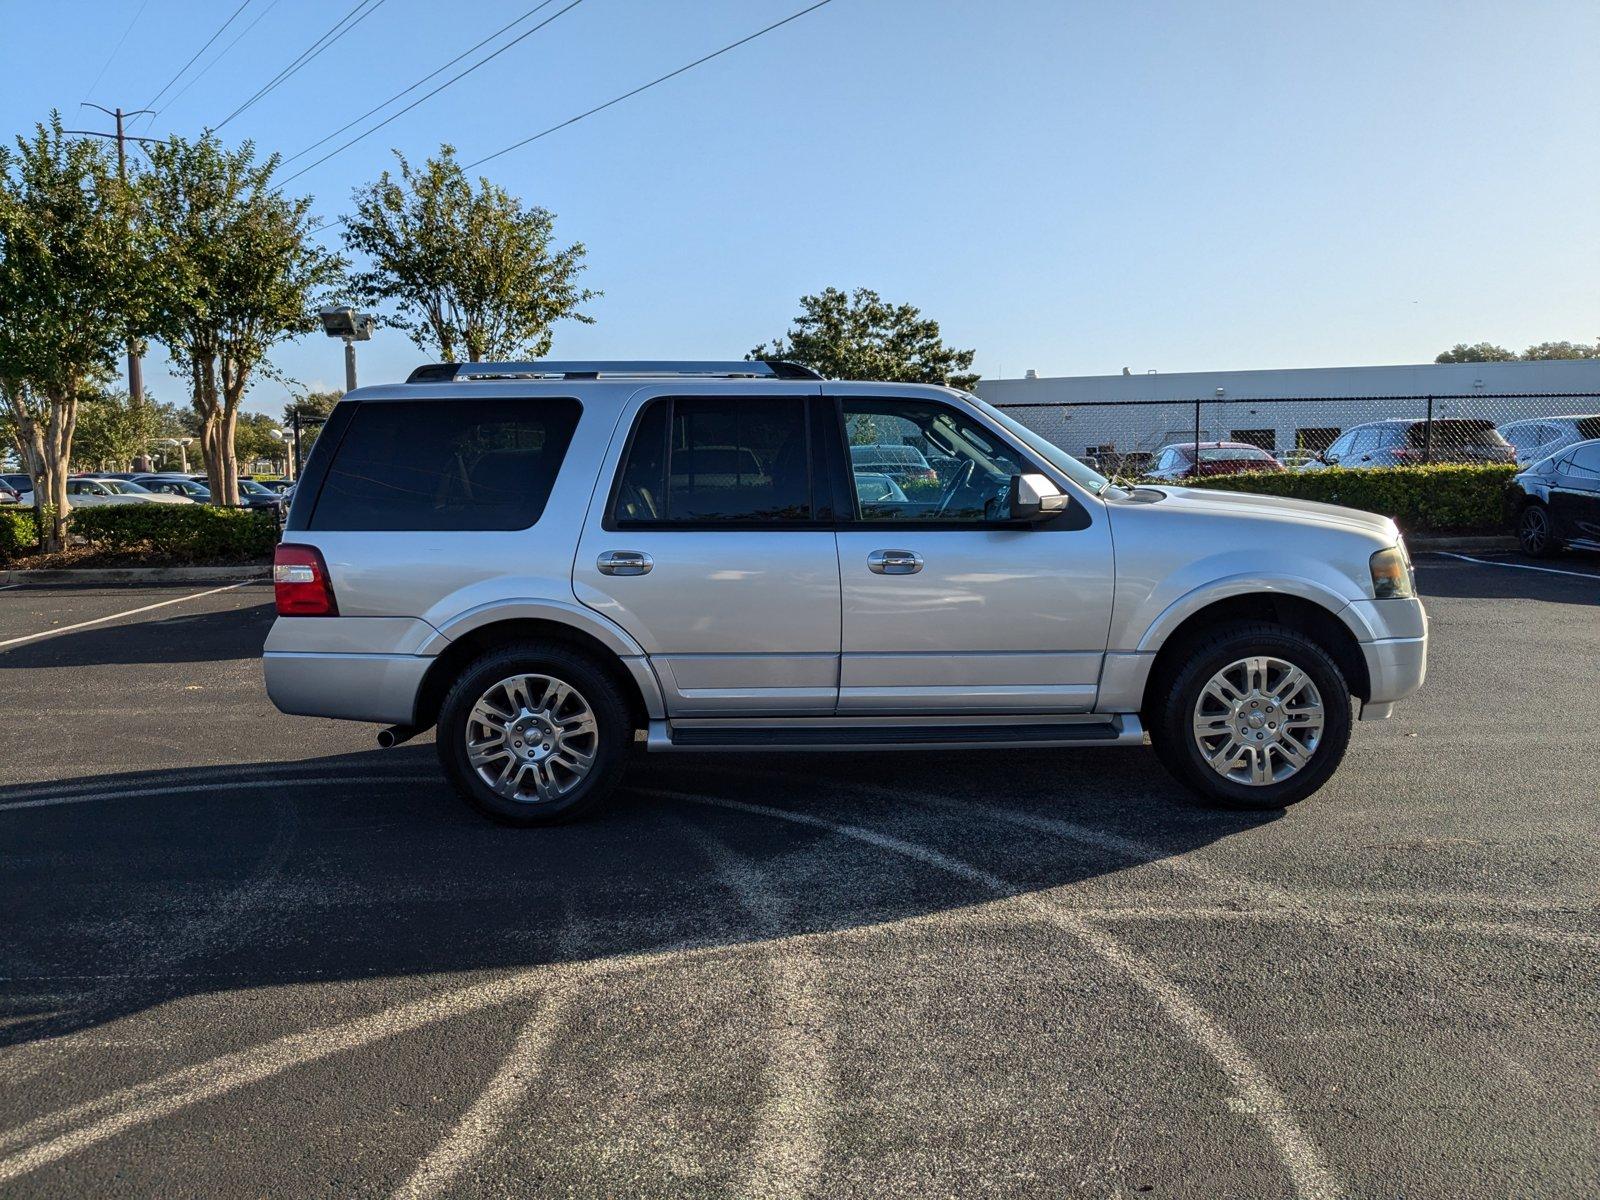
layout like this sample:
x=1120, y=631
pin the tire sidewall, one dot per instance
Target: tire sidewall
x=1549, y=546
x=577, y=671
x=1183, y=754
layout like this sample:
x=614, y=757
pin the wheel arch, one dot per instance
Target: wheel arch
x=631, y=673
x=1317, y=622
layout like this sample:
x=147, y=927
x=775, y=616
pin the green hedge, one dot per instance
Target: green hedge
x=19, y=532
x=178, y=532
x=1438, y=499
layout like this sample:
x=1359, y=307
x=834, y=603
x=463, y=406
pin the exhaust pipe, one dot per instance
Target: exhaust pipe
x=395, y=734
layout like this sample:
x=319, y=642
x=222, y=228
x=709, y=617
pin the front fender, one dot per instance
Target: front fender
x=1148, y=628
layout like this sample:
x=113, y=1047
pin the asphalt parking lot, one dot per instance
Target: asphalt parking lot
x=248, y=954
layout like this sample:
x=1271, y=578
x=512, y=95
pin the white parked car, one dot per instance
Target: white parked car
x=92, y=493
x=1537, y=438
x=551, y=561
x=16, y=488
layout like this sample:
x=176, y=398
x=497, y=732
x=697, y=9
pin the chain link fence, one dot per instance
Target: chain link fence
x=1140, y=437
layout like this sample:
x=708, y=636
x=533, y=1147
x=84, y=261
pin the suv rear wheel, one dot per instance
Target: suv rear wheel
x=1256, y=716
x=533, y=734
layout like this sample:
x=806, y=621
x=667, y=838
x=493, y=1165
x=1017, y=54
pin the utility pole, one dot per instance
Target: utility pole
x=135, y=367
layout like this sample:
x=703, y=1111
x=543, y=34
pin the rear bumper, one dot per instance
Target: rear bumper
x=381, y=688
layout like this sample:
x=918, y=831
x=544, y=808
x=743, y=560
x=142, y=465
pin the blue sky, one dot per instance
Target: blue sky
x=1072, y=187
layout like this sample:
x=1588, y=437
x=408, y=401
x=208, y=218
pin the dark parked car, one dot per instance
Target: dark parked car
x=1402, y=442
x=899, y=463
x=1559, y=500
x=174, y=485
x=1176, y=462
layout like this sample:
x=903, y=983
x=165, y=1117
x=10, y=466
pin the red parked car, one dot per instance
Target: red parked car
x=1176, y=461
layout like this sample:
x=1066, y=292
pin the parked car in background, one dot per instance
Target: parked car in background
x=175, y=485
x=1297, y=460
x=554, y=575
x=900, y=463
x=1539, y=437
x=21, y=487
x=84, y=492
x=1403, y=442
x=9, y=494
x=280, y=486
x=1558, y=500
x=1177, y=461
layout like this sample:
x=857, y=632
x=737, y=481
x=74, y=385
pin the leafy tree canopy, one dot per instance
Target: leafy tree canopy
x=859, y=335
x=468, y=271
x=1543, y=351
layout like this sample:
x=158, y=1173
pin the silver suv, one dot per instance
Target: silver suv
x=551, y=561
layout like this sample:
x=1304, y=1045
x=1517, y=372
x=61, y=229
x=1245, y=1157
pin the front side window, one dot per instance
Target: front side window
x=445, y=464
x=918, y=460
x=717, y=461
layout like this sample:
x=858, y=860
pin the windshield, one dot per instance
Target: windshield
x=1083, y=476
x=125, y=487
x=254, y=488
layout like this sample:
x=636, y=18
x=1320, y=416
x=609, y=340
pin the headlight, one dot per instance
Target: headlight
x=1391, y=574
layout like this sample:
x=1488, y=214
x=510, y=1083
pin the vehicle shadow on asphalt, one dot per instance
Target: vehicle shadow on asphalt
x=198, y=637
x=170, y=884
x=1448, y=578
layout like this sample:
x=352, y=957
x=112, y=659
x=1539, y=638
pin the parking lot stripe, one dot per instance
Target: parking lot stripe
x=489, y=1114
x=1258, y=1096
x=1489, y=562
x=6, y=587
x=219, y=785
x=132, y=612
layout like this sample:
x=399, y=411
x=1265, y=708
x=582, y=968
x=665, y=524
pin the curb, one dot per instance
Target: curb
x=1462, y=545
x=247, y=572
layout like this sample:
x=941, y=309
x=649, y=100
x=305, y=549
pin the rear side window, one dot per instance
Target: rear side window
x=446, y=464
x=1588, y=427
x=717, y=461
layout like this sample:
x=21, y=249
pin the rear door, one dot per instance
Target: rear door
x=711, y=541
x=949, y=606
x=1575, y=494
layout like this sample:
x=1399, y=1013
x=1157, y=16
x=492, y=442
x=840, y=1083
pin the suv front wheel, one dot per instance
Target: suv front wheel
x=533, y=735
x=1257, y=716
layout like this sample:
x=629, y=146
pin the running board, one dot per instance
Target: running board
x=1119, y=730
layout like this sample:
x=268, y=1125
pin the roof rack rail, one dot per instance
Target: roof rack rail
x=545, y=368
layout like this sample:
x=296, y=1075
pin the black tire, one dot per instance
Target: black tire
x=1535, y=531
x=610, y=741
x=1170, y=715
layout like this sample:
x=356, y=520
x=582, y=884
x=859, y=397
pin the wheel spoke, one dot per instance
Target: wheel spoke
x=532, y=738
x=1275, y=704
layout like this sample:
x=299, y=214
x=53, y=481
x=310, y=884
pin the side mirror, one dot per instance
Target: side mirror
x=1034, y=497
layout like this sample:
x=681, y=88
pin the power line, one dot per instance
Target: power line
x=418, y=83
x=421, y=99
x=364, y=7
x=223, y=53
x=152, y=102
x=117, y=49
x=647, y=86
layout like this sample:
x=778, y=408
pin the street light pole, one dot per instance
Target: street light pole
x=349, y=364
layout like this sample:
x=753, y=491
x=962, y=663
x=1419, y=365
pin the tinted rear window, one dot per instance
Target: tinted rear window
x=1457, y=432
x=1588, y=427
x=446, y=464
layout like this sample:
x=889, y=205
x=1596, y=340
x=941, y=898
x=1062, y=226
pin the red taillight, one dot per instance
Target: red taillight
x=300, y=583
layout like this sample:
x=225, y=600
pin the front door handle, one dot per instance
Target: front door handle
x=624, y=562
x=894, y=562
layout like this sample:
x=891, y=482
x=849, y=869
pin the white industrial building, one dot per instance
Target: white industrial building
x=1283, y=410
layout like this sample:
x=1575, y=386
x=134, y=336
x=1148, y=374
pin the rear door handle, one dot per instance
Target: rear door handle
x=624, y=562
x=894, y=562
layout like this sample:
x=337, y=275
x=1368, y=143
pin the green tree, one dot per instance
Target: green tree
x=1560, y=350
x=237, y=272
x=1478, y=352
x=112, y=430
x=253, y=439
x=70, y=297
x=861, y=336
x=468, y=271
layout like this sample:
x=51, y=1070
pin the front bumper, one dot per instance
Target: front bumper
x=1397, y=658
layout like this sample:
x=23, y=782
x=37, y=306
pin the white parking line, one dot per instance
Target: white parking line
x=132, y=612
x=1489, y=562
x=6, y=587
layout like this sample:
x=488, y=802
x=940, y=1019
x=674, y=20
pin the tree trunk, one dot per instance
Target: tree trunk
x=50, y=492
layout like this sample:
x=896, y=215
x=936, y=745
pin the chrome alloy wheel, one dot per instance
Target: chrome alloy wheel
x=532, y=738
x=1258, y=721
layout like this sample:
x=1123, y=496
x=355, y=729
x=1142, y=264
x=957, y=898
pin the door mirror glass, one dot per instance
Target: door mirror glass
x=1034, y=497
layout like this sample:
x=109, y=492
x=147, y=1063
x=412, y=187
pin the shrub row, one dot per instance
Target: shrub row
x=19, y=532
x=1446, y=498
x=183, y=533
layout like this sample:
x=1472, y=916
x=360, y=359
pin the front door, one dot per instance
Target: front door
x=950, y=606
x=1575, y=494
x=711, y=543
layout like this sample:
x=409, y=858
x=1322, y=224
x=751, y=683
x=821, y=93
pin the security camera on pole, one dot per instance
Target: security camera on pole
x=353, y=327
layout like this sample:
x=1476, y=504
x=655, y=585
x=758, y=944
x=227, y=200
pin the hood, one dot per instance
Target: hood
x=1276, y=508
